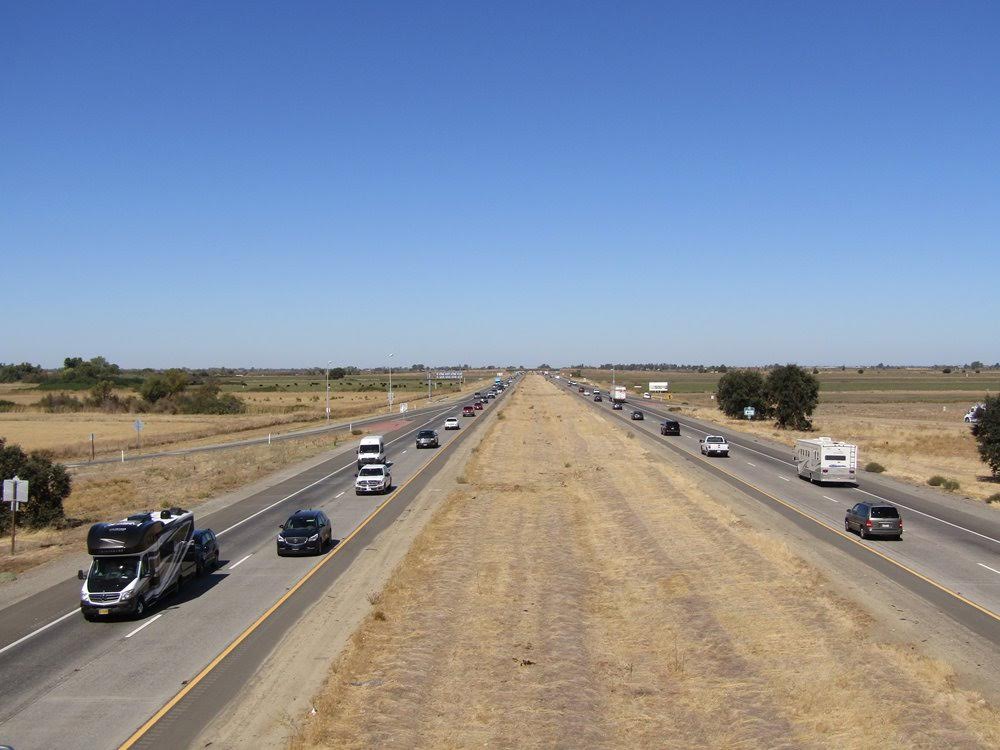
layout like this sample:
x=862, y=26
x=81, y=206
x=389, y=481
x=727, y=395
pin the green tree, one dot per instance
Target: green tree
x=987, y=433
x=793, y=394
x=48, y=485
x=337, y=373
x=176, y=381
x=739, y=389
x=154, y=388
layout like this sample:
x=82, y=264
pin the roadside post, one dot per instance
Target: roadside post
x=15, y=493
x=91, y=446
x=749, y=413
x=138, y=424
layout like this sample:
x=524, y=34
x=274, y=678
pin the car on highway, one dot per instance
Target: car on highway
x=451, y=423
x=468, y=411
x=616, y=406
x=373, y=479
x=646, y=395
x=428, y=439
x=638, y=415
x=203, y=551
x=874, y=519
x=714, y=445
x=478, y=406
x=670, y=427
x=598, y=398
x=305, y=532
x=586, y=392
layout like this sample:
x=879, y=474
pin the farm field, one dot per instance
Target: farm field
x=517, y=618
x=912, y=429
x=283, y=409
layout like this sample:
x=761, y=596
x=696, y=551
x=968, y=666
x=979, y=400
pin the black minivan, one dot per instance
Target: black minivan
x=670, y=427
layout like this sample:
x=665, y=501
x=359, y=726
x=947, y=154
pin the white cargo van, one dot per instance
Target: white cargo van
x=826, y=460
x=371, y=450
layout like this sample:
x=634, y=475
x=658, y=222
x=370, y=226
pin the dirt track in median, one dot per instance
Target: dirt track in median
x=575, y=590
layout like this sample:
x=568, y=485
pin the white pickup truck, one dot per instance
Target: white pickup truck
x=714, y=445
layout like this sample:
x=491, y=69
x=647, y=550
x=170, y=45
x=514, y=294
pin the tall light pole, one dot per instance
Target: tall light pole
x=328, y=390
x=390, y=383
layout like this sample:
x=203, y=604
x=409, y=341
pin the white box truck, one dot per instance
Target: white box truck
x=824, y=459
x=619, y=394
x=371, y=450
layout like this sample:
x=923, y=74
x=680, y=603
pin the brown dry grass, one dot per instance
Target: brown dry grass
x=557, y=601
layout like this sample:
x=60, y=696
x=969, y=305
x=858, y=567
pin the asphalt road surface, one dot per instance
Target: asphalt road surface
x=66, y=682
x=950, y=551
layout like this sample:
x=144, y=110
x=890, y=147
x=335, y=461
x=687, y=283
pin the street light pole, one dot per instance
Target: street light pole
x=390, y=383
x=328, y=390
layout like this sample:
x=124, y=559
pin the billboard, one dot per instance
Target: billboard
x=450, y=375
x=659, y=387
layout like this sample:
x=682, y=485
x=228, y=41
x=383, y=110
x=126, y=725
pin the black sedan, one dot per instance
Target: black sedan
x=305, y=532
x=637, y=415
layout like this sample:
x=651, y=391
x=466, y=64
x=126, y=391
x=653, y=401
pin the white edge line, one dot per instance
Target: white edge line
x=240, y=561
x=941, y=520
x=750, y=464
x=33, y=633
x=989, y=568
x=339, y=494
x=785, y=478
x=826, y=497
x=148, y=622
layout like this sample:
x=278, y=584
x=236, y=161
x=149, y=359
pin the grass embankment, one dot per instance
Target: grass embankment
x=555, y=600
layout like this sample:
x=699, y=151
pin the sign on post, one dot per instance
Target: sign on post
x=403, y=407
x=138, y=424
x=749, y=412
x=659, y=387
x=15, y=492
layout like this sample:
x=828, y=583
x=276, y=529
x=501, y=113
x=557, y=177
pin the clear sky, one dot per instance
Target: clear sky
x=282, y=184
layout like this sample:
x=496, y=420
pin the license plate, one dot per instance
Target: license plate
x=887, y=526
x=104, y=611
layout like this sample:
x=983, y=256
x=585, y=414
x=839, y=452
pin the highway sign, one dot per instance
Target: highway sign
x=449, y=375
x=749, y=412
x=15, y=491
x=138, y=424
x=659, y=387
x=403, y=408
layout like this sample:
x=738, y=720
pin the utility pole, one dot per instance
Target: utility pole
x=428, y=386
x=328, y=390
x=390, y=384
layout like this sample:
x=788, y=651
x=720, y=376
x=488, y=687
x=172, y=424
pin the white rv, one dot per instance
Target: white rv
x=826, y=460
x=371, y=450
x=137, y=561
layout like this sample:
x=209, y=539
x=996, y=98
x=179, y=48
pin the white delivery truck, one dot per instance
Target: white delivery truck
x=371, y=450
x=619, y=394
x=824, y=459
x=137, y=561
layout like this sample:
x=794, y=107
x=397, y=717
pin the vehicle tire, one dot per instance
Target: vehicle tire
x=89, y=617
x=847, y=526
x=140, y=608
x=215, y=561
x=862, y=533
x=357, y=492
x=199, y=569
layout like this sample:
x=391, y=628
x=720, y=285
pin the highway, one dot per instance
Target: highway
x=950, y=551
x=67, y=682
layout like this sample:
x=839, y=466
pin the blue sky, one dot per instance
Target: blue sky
x=284, y=184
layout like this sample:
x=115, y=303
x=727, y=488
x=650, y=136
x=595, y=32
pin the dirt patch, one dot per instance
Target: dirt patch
x=577, y=591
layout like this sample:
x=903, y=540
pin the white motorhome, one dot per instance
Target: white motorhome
x=371, y=450
x=826, y=460
x=137, y=561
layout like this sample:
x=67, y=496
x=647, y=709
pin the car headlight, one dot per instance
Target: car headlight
x=126, y=595
x=281, y=538
x=314, y=537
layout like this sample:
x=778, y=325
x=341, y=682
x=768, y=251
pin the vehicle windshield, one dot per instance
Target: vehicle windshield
x=370, y=471
x=112, y=573
x=716, y=440
x=369, y=449
x=884, y=512
x=301, y=522
x=425, y=433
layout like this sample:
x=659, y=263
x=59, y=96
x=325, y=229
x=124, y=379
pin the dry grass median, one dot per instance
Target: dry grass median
x=578, y=591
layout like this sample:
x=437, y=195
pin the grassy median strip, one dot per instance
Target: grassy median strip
x=577, y=589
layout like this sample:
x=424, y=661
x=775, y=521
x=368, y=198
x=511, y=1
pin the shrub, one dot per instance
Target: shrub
x=48, y=485
x=59, y=402
x=936, y=481
x=946, y=371
x=357, y=431
x=994, y=498
x=951, y=485
x=874, y=467
x=6, y=405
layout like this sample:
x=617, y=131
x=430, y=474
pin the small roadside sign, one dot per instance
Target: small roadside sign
x=138, y=424
x=749, y=412
x=15, y=493
x=403, y=408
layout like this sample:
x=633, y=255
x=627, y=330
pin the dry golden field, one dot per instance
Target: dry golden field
x=554, y=601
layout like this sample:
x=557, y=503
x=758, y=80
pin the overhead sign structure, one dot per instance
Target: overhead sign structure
x=659, y=387
x=749, y=412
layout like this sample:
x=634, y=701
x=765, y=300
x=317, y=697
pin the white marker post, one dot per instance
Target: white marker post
x=15, y=492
